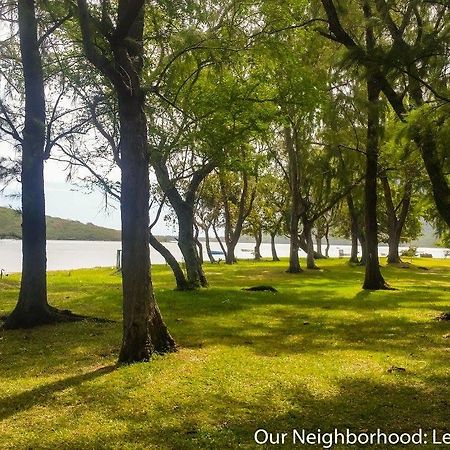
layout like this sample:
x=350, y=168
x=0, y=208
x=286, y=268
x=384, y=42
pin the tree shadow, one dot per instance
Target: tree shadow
x=43, y=394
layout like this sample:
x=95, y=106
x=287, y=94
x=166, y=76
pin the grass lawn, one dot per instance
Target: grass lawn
x=314, y=355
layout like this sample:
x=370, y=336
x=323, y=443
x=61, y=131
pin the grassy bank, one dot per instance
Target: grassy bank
x=315, y=354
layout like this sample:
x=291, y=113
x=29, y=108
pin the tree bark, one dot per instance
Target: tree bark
x=144, y=332
x=319, y=247
x=181, y=281
x=273, y=247
x=395, y=224
x=307, y=232
x=258, y=241
x=208, y=246
x=354, y=229
x=373, y=279
x=294, y=244
x=186, y=242
x=32, y=308
x=327, y=239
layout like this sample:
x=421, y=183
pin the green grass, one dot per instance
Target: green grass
x=314, y=355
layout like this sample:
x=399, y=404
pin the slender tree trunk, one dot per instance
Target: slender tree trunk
x=294, y=260
x=182, y=283
x=273, y=247
x=354, y=229
x=395, y=224
x=354, y=251
x=216, y=234
x=327, y=239
x=32, y=308
x=310, y=261
x=373, y=278
x=199, y=246
x=319, y=247
x=258, y=240
x=186, y=242
x=362, y=241
x=208, y=246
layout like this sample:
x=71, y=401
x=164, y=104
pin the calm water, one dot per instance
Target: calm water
x=63, y=255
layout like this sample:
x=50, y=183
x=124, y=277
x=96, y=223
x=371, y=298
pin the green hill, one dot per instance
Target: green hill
x=57, y=229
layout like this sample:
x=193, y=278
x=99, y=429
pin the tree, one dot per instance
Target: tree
x=120, y=61
x=36, y=142
x=415, y=52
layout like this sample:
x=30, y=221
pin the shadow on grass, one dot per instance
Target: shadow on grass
x=44, y=394
x=220, y=420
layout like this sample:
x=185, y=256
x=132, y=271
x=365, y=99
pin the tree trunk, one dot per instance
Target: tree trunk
x=373, y=278
x=354, y=251
x=395, y=224
x=294, y=245
x=319, y=247
x=362, y=241
x=144, y=331
x=273, y=247
x=258, y=240
x=230, y=257
x=182, y=283
x=32, y=308
x=354, y=229
x=208, y=246
x=393, y=254
x=216, y=234
x=199, y=245
x=310, y=261
x=327, y=239
x=186, y=242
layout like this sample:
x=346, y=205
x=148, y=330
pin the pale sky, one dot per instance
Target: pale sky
x=69, y=201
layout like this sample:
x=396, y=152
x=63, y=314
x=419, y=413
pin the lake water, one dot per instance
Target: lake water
x=64, y=255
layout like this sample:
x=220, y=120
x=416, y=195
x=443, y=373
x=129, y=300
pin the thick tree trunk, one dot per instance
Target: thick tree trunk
x=373, y=279
x=393, y=254
x=32, y=308
x=144, y=331
x=182, y=283
x=208, y=246
x=230, y=257
x=273, y=247
x=258, y=241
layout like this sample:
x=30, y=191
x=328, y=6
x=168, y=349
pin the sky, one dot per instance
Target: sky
x=68, y=201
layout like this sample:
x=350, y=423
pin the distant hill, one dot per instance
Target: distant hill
x=57, y=229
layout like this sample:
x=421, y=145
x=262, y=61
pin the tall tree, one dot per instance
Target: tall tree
x=32, y=308
x=119, y=58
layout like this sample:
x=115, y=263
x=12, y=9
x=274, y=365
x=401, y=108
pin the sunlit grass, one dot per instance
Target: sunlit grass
x=314, y=355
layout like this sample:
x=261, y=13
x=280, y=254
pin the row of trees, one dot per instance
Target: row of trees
x=281, y=118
